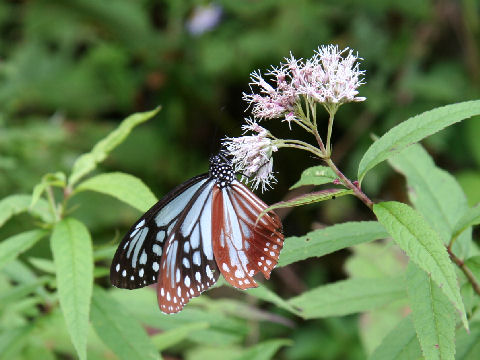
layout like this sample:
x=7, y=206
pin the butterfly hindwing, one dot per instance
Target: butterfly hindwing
x=243, y=246
x=137, y=260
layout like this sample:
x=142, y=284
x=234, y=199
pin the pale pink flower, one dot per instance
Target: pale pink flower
x=331, y=76
x=270, y=102
x=335, y=77
x=252, y=155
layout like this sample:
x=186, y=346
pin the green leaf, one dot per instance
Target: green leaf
x=325, y=241
x=73, y=256
x=432, y=313
x=316, y=175
x=45, y=265
x=222, y=329
x=470, y=218
x=435, y=193
x=414, y=130
x=169, y=338
x=18, y=293
x=88, y=162
x=264, y=351
x=265, y=294
x=51, y=179
x=424, y=247
x=13, y=340
x=124, y=187
x=349, y=296
x=375, y=259
x=468, y=344
x=308, y=199
x=16, y=204
x=119, y=330
x=400, y=344
x=12, y=247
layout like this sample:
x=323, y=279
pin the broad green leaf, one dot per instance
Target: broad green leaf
x=435, y=193
x=73, y=256
x=124, y=187
x=17, y=293
x=13, y=340
x=119, y=330
x=16, y=204
x=263, y=351
x=265, y=294
x=413, y=130
x=349, y=297
x=400, y=344
x=220, y=352
x=468, y=344
x=22, y=274
x=432, y=314
x=38, y=351
x=222, y=330
x=375, y=259
x=470, y=218
x=88, y=162
x=12, y=247
x=308, y=199
x=45, y=265
x=51, y=179
x=325, y=241
x=169, y=338
x=424, y=247
x=316, y=175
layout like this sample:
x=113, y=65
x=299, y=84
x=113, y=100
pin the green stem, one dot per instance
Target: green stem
x=52, y=204
x=301, y=145
x=329, y=133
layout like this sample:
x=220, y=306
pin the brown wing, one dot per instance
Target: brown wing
x=241, y=245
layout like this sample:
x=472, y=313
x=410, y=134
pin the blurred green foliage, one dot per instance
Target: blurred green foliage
x=70, y=70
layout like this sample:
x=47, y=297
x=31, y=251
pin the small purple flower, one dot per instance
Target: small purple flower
x=252, y=155
x=204, y=18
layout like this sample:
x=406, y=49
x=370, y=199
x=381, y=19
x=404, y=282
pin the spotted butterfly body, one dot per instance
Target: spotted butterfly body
x=205, y=226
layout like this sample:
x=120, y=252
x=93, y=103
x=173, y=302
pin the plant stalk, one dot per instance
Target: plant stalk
x=468, y=273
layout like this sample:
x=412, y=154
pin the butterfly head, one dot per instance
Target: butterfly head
x=222, y=170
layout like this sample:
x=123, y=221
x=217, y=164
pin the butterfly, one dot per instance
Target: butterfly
x=205, y=227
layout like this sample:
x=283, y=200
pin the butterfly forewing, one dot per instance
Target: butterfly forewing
x=188, y=267
x=137, y=260
x=243, y=246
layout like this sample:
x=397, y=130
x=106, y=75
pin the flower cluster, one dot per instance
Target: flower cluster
x=290, y=92
x=329, y=78
x=252, y=155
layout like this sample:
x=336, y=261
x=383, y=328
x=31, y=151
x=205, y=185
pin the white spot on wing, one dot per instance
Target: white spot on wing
x=196, y=258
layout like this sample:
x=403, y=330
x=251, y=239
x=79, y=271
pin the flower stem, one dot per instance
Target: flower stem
x=329, y=133
x=358, y=193
x=301, y=145
x=468, y=273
